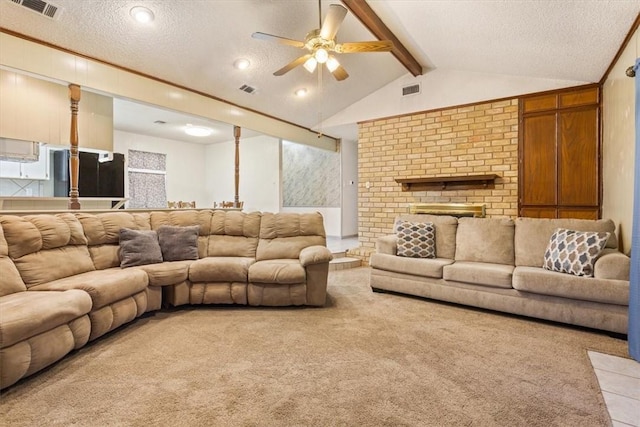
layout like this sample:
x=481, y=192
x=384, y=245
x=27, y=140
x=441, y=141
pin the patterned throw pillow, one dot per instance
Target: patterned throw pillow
x=416, y=239
x=574, y=252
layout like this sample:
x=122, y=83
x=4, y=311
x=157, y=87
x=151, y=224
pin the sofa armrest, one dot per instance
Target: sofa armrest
x=387, y=245
x=612, y=265
x=315, y=255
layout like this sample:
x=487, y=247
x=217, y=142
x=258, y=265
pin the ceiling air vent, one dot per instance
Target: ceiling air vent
x=247, y=88
x=411, y=90
x=40, y=7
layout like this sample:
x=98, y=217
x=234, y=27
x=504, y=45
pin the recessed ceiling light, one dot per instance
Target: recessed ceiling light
x=241, y=64
x=142, y=14
x=301, y=92
x=197, y=130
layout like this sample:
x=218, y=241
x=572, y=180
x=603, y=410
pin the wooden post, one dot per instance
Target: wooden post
x=74, y=161
x=236, y=134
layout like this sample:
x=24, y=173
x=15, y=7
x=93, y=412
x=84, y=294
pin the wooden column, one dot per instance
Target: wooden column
x=236, y=134
x=74, y=161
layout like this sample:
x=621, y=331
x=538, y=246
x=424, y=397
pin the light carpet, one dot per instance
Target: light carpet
x=366, y=359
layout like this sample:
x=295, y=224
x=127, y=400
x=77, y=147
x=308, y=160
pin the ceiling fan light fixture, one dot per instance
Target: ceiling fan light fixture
x=310, y=64
x=332, y=64
x=321, y=55
x=141, y=14
x=241, y=63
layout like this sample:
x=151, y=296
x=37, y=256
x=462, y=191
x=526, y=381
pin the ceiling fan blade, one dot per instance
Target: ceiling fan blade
x=277, y=39
x=340, y=73
x=291, y=65
x=372, y=46
x=332, y=21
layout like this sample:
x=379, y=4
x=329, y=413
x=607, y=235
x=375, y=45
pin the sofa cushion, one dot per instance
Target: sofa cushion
x=33, y=233
x=485, y=240
x=277, y=271
x=166, y=273
x=220, y=269
x=46, y=247
x=416, y=239
x=27, y=314
x=104, y=228
x=178, y=243
x=445, y=226
x=139, y=247
x=284, y=235
x=532, y=236
x=540, y=281
x=234, y=234
x=104, y=286
x=186, y=218
x=574, y=252
x=10, y=280
x=53, y=264
x=426, y=267
x=480, y=273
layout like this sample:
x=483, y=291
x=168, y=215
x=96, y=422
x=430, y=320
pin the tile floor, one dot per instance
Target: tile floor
x=619, y=380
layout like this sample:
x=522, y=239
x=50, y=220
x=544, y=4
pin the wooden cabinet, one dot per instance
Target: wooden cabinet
x=559, y=154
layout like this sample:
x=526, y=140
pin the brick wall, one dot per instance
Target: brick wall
x=469, y=140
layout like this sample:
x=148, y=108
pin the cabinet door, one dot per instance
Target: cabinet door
x=9, y=169
x=538, y=176
x=39, y=169
x=578, y=158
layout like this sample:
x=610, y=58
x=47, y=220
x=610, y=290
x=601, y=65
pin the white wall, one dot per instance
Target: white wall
x=185, y=164
x=441, y=88
x=349, y=160
x=618, y=143
x=259, y=173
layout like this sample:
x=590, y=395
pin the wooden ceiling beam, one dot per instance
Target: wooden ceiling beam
x=366, y=15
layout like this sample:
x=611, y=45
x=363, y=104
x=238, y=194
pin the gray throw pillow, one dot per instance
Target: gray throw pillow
x=138, y=247
x=574, y=252
x=178, y=243
x=416, y=239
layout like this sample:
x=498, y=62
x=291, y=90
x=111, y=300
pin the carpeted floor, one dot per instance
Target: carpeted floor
x=364, y=360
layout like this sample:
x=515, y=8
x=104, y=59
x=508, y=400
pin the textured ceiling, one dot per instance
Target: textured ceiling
x=194, y=43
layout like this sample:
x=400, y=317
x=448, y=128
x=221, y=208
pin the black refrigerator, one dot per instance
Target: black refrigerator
x=95, y=179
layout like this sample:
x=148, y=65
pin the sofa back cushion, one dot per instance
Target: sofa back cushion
x=46, y=247
x=532, y=236
x=10, y=280
x=234, y=233
x=485, y=240
x=284, y=235
x=103, y=234
x=445, y=226
x=187, y=218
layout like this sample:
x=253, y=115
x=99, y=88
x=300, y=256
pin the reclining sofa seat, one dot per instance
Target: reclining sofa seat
x=221, y=276
x=292, y=261
x=37, y=328
x=51, y=253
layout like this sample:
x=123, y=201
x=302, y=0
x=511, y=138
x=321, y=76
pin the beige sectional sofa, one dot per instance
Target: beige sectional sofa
x=497, y=264
x=62, y=284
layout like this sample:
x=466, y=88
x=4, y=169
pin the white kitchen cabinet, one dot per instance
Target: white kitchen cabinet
x=27, y=170
x=9, y=169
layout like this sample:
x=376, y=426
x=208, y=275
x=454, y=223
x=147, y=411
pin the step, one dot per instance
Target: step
x=343, y=263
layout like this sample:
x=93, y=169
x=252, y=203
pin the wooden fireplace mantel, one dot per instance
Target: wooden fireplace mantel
x=439, y=183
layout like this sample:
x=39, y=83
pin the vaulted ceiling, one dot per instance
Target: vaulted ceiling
x=195, y=43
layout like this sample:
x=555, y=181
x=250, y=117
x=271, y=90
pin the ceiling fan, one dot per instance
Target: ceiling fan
x=321, y=43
